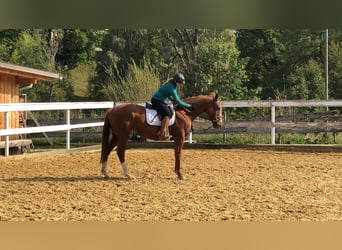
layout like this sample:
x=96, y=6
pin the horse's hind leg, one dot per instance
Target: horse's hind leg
x=105, y=153
x=121, y=154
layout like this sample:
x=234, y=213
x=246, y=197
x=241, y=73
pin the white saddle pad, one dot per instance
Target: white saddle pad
x=152, y=117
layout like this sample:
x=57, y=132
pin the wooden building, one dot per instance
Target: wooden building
x=11, y=76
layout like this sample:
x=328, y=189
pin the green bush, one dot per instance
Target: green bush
x=60, y=142
x=321, y=138
x=233, y=138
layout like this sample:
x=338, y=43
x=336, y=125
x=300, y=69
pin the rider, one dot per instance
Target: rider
x=168, y=90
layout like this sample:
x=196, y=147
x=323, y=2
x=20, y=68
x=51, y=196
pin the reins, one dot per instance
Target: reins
x=189, y=113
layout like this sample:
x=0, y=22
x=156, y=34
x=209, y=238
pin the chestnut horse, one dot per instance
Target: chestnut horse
x=123, y=119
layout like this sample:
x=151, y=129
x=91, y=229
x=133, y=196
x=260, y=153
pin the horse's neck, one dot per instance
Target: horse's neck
x=200, y=103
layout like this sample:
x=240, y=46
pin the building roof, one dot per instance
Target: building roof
x=26, y=74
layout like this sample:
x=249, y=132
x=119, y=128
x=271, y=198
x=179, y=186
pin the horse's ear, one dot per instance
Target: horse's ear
x=216, y=97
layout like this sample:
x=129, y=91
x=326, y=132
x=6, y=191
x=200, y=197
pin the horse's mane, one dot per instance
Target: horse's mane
x=194, y=98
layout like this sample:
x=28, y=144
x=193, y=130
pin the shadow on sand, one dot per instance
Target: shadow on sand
x=62, y=179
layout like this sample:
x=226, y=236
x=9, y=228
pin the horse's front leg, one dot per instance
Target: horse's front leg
x=104, y=170
x=178, y=154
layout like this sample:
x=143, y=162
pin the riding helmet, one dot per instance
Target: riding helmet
x=178, y=77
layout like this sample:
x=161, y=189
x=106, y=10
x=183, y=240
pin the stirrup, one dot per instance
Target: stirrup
x=164, y=138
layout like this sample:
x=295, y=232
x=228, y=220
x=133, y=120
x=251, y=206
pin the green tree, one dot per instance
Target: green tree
x=306, y=81
x=208, y=59
x=263, y=51
x=78, y=46
x=53, y=50
x=283, y=61
x=302, y=57
x=335, y=69
x=119, y=48
x=8, y=39
x=217, y=66
x=181, y=45
x=38, y=48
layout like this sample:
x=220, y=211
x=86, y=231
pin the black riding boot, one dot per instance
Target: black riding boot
x=164, y=126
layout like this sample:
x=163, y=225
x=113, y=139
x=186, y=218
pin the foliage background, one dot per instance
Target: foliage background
x=129, y=64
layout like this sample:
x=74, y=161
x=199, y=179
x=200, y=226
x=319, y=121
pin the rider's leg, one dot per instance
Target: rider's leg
x=162, y=132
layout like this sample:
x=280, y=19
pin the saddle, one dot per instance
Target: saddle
x=154, y=118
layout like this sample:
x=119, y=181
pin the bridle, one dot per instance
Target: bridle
x=216, y=107
x=218, y=112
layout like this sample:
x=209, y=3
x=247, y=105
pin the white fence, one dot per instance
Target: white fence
x=280, y=104
x=67, y=106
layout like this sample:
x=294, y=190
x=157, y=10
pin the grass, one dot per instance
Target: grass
x=80, y=78
x=320, y=138
x=60, y=142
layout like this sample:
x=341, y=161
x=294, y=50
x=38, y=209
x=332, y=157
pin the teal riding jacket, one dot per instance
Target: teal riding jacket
x=169, y=91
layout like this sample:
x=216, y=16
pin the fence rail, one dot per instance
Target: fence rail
x=281, y=104
x=67, y=106
x=271, y=125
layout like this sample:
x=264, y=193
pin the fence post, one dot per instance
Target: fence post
x=7, y=136
x=68, y=131
x=272, y=124
x=190, y=137
x=225, y=119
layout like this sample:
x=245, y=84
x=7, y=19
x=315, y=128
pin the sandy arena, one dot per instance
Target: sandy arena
x=221, y=184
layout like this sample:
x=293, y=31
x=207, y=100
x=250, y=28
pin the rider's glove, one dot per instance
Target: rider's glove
x=191, y=107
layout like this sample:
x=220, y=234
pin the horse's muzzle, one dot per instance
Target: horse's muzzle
x=217, y=124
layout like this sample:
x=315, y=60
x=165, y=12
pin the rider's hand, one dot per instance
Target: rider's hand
x=191, y=107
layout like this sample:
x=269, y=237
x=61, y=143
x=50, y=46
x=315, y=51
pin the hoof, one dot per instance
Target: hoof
x=129, y=176
x=181, y=177
x=106, y=177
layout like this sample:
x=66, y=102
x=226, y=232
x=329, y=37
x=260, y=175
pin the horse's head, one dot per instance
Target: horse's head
x=210, y=104
x=215, y=112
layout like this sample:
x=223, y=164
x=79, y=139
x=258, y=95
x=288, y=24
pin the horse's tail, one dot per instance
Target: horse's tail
x=105, y=139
